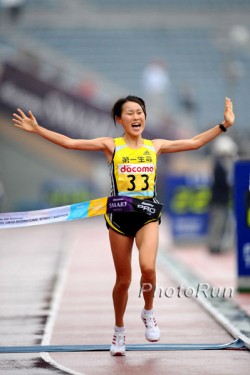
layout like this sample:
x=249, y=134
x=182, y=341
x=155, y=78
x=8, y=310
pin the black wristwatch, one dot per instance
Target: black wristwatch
x=222, y=127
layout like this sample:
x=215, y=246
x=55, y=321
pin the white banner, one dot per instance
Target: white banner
x=54, y=215
x=82, y=210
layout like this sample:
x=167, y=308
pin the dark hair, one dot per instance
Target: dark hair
x=117, y=107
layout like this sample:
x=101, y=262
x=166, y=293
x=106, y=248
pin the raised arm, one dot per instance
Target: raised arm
x=29, y=123
x=165, y=146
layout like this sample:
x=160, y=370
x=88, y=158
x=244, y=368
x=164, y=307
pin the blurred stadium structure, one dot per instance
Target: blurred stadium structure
x=69, y=60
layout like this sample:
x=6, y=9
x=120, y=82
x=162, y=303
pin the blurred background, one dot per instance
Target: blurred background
x=68, y=61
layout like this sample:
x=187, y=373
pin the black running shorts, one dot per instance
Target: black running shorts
x=128, y=223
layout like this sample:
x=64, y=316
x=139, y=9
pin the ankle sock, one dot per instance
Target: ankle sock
x=119, y=329
x=148, y=311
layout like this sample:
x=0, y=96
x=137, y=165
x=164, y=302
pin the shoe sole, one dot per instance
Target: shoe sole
x=117, y=354
x=153, y=340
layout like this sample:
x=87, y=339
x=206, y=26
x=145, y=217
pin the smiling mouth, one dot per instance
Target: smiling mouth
x=136, y=125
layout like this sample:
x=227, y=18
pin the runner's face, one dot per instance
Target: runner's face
x=132, y=118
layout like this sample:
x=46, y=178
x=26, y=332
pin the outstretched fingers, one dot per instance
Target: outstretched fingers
x=32, y=116
x=229, y=116
x=21, y=113
x=18, y=118
x=26, y=122
x=228, y=103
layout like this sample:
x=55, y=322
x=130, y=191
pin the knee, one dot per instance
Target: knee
x=123, y=282
x=148, y=274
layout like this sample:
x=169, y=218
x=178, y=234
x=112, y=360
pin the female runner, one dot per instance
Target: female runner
x=132, y=161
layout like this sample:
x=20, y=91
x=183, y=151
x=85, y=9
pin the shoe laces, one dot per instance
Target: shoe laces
x=119, y=338
x=149, y=321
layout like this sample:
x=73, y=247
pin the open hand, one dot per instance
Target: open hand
x=24, y=122
x=228, y=113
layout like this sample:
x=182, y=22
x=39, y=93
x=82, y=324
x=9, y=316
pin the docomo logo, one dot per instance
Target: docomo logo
x=136, y=168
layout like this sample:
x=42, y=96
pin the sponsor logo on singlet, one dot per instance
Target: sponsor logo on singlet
x=136, y=168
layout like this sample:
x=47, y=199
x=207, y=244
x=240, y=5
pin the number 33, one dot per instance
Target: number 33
x=132, y=182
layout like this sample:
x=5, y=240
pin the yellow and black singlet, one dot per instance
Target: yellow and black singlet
x=133, y=171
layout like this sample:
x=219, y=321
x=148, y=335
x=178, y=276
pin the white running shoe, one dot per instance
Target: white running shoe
x=152, y=332
x=118, y=344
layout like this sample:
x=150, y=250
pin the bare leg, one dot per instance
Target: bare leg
x=147, y=239
x=121, y=247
